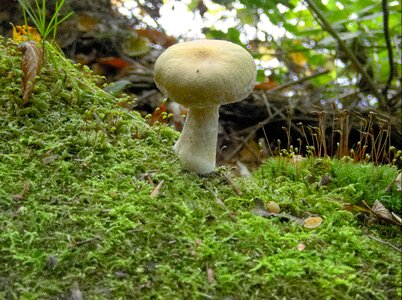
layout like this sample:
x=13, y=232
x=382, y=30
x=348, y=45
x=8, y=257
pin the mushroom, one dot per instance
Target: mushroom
x=202, y=75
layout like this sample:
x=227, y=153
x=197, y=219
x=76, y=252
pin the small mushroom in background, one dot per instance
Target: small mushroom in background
x=202, y=75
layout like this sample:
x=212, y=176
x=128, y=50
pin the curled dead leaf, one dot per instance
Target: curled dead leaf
x=31, y=64
x=380, y=211
x=312, y=222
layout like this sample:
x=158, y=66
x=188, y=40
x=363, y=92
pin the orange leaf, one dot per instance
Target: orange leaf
x=24, y=33
x=114, y=62
x=266, y=85
x=157, y=37
x=31, y=64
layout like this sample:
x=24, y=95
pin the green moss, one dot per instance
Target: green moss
x=76, y=176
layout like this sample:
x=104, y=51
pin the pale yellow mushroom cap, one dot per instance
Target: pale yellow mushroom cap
x=205, y=73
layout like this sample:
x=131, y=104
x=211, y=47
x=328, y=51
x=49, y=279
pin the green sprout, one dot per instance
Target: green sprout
x=38, y=16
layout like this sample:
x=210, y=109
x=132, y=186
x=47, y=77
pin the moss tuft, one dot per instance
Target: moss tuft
x=76, y=176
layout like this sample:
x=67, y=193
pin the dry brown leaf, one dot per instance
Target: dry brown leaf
x=31, y=64
x=312, y=222
x=157, y=37
x=380, y=211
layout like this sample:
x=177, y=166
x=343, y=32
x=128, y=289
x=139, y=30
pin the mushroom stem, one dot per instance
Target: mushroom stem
x=196, y=146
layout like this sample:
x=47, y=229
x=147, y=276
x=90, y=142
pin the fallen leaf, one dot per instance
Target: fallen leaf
x=380, y=211
x=115, y=62
x=312, y=222
x=22, y=34
x=273, y=207
x=157, y=37
x=31, y=64
x=210, y=275
x=354, y=207
x=266, y=85
x=301, y=247
x=157, y=189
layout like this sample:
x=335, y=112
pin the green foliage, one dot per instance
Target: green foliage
x=38, y=16
x=76, y=176
x=308, y=46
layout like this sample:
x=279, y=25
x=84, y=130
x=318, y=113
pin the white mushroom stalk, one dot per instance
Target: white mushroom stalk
x=202, y=75
x=196, y=146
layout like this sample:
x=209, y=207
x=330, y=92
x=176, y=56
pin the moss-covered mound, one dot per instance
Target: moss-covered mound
x=81, y=214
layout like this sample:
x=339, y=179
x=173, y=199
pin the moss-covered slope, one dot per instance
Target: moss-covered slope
x=77, y=216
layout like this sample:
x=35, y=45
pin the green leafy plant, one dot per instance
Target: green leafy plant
x=37, y=14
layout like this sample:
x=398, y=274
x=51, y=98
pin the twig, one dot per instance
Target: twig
x=385, y=14
x=384, y=242
x=316, y=12
x=79, y=243
x=155, y=192
x=235, y=188
x=221, y=203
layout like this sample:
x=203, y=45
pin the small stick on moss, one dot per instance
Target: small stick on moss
x=220, y=202
x=384, y=242
x=235, y=188
x=79, y=243
x=155, y=192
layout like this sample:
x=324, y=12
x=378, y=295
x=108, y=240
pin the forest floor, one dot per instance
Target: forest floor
x=94, y=205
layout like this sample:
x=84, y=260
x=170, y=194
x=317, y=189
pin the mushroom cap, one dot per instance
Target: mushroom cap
x=205, y=73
